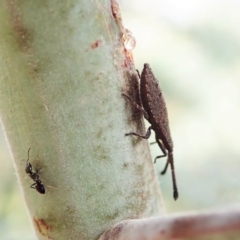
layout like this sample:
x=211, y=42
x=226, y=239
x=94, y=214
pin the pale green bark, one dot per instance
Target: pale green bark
x=61, y=95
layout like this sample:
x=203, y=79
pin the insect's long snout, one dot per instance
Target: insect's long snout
x=175, y=189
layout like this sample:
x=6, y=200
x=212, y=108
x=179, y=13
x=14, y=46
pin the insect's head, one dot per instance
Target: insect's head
x=28, y=168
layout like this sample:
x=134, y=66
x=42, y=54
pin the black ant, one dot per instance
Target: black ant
x=34, y=176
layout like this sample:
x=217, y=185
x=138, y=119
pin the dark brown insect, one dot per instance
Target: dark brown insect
x=34, y=176
x=155, y=111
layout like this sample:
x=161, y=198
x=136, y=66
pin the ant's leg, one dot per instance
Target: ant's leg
x=146, y=136
x=33, y=185
x=38, y=170
x=137, y=106
x=51, y=187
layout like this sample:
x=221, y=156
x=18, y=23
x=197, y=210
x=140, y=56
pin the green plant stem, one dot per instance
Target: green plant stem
x=61, y=79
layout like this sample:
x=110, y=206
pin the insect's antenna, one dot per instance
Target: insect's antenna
x=28, y=154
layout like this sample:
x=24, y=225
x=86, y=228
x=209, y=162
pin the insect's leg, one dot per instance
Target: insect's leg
x=152, y=143
x=138, y=74
x=146, y=136
x=169, y=161
x=175, y=190
x=51, y=186
x=165, y=168
x=160, y=144
x=38, y=170
x=137, y=106
x=33, y=185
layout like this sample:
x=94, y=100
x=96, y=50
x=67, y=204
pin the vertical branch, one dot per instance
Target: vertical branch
x=63, y=69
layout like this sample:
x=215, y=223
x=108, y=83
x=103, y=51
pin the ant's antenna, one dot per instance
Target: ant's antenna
x=28, y=154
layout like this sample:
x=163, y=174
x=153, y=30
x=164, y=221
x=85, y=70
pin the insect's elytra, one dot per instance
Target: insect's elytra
x=154, y=109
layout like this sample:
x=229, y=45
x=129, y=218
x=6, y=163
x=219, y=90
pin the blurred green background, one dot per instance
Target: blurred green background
x=193, y=47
